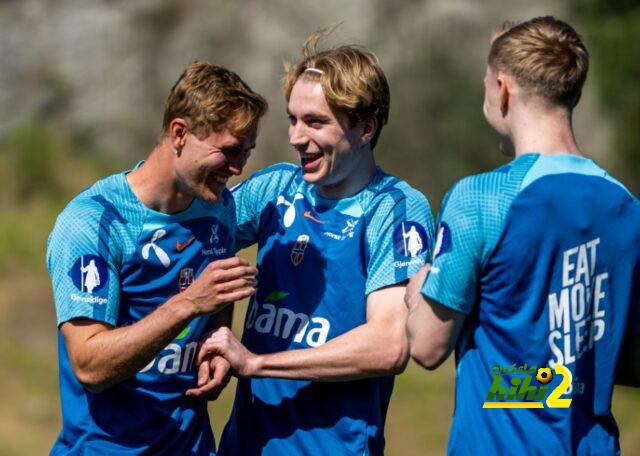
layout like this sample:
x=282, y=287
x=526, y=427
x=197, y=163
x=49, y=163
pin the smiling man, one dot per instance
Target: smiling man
x=137, y=274
x=324, y=333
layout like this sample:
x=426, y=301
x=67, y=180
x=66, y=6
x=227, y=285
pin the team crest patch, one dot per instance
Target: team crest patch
x=89, y=273
x=297, y=253
x=186, y=279
x=410, y=239
x=443, y=241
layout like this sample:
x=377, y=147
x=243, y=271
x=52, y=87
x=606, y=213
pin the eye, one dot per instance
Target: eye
x=315, y=123
x=292, y=120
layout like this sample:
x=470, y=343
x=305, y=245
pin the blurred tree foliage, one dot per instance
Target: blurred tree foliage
x=41, y=167
x=438, y=135
x=612, y=33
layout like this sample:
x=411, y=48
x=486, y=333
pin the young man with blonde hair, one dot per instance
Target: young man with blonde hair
x=536, y=264
x=325, y=331
x=129, y=328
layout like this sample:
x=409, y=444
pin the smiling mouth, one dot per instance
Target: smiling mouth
x=306, y=158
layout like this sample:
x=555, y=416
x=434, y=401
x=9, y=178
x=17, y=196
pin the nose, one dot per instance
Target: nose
x=297, y=135
x=236, y=162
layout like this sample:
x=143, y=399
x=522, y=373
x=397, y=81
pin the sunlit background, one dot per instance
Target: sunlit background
x=82, y=89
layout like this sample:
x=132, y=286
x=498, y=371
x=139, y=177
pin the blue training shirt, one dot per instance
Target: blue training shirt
x=113, y=260
x=542, y=257
x=318, y=260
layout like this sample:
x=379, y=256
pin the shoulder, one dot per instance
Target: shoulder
x=387, y=191
x=94, y=200
x=490, y=190
x=100, y=205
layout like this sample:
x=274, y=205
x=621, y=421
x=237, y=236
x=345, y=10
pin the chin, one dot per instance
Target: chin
x=311, y=178
x=211, y=197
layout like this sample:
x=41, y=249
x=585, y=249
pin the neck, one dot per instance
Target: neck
x=154, y=183
x=547, y=132
x=357, y=176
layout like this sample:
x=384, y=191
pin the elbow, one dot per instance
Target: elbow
x=430, y=358
x=397, y=357
x=91, y=380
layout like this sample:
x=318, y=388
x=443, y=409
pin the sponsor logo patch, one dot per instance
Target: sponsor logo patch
x=443, y=241
x=159, y=253
x=214, y=238
x=89, y=273
x=290, y=211
x=410, y=239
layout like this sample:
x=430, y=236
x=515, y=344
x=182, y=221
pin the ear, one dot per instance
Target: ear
x=504, y=85
x=178, y=133
x=369, y=128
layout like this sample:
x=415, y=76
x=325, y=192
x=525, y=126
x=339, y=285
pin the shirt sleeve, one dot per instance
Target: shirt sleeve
x=252, y=196
x=399, y=238
x=84, y=275
x=455, y=270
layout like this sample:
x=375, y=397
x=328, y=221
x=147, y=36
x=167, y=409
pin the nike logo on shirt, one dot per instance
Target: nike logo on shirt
x=308, y=215
x=181, y=246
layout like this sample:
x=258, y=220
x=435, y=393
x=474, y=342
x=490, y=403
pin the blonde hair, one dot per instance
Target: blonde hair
x=545, y=55
x=210, y=97
x=351, y=78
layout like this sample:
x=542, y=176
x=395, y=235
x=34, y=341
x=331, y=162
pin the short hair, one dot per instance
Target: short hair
x=210, y=97
x=351, y=77
x=545, y=55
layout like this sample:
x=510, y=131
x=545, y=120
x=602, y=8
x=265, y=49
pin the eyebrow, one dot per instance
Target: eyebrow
x=311, y=115
x=235, y=147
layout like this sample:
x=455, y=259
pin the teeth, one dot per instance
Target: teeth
x=308, y=156
x=220, y=179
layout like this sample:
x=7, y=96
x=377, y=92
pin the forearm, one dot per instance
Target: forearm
x=108, y=356
x=424, y=348
x=365, y=351
x=432, y=330
x=101, y=355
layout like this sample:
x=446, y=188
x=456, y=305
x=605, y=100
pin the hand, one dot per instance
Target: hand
x=220, y=283
x=412, y=293
x=214, y=373
x=222, y=342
